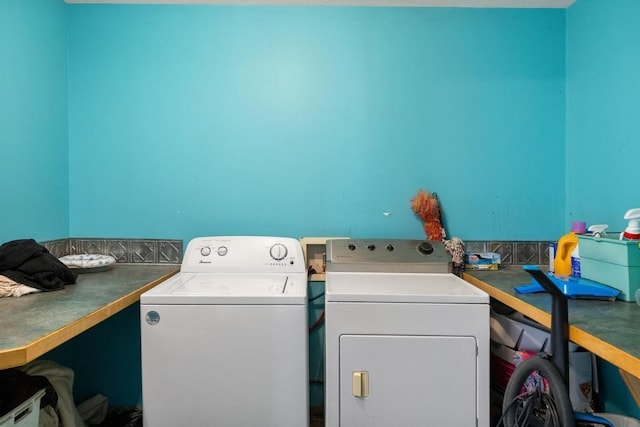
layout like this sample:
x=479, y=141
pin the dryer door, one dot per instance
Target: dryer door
x=396, y=380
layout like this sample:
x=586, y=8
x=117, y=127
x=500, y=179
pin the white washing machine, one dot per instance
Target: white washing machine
x=224, y=341
x=407, y=342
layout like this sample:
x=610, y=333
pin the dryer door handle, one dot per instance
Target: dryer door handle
x=360, y=384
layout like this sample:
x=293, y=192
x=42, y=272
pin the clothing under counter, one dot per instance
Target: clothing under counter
x=609, y=329
x=36, y=323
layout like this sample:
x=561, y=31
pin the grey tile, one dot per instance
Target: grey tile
x=475, y=246
x=527, y=253
x=92, y=246
x=119, y=249
x=169, y=251
x=505, y=249
x=74, y=246
x=543, y=249
x=58, y=247
x=144, y=251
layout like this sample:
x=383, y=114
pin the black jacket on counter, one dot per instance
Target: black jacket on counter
x=29, y=263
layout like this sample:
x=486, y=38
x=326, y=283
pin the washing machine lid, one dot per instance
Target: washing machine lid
x=401, y=288
x=201, y=289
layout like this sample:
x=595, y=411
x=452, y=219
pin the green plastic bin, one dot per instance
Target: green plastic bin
x=612, y=262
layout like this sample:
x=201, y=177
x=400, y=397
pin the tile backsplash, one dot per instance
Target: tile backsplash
x=513, y=252
x=161, y=251
x=149, y=251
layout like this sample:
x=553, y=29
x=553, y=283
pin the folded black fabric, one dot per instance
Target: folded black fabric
x=29, y=263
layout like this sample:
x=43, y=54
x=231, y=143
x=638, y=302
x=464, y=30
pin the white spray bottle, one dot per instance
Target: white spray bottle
x=632, y=232
x=598, y=230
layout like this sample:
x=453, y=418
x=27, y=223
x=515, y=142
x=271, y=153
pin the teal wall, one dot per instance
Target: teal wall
x=33, y=120
x=303, y=121
x=614, y=394
x=603, y=107
x=177, y=121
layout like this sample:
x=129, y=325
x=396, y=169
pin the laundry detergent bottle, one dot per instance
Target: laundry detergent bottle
x=566, y=245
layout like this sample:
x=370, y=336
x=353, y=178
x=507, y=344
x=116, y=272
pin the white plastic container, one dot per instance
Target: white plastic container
x=26, y=414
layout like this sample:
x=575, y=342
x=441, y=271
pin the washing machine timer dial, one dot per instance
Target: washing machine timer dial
x=278, y=252
x=205, y=251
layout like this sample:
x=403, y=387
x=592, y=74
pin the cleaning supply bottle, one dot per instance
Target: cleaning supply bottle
x=575, y=261
x=632, y=232
x=598, y=230
x=566, y=245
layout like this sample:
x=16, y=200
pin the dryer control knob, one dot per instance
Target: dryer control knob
x=278, y=251
x=222, y=250
x=205, y=251
x=425, y=248
x=351, y=247
x=371, y=247
x=390, y=247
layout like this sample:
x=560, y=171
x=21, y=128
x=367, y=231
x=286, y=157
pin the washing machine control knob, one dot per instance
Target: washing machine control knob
x=351, y=247
x=371, y=247
x=425, y=248
x=390, y=247
x=222, y=250
x=205, y=251
x=278, y=251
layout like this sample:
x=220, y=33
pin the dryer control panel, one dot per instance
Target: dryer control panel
x=388, y=255
x=246, y=254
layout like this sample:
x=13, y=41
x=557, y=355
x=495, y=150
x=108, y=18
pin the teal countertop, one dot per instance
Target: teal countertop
x=36, y=323
x=609, y=329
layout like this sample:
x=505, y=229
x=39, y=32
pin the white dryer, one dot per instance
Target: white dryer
x=407, y=342
x=224, y=341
